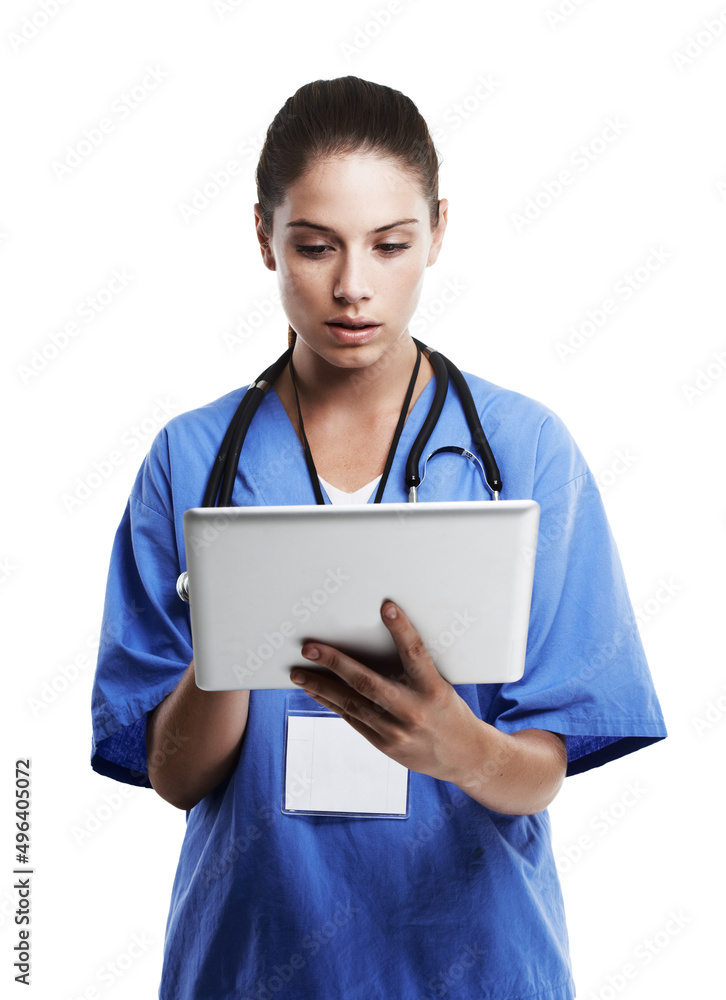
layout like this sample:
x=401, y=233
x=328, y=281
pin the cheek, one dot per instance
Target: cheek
x=406, y=283
x=297, y=284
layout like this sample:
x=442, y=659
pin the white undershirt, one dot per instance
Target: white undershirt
x=360, y=496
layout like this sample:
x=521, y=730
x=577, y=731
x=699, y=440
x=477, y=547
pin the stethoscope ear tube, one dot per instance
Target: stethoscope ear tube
x=413, y=480
x=215, y=476
x=480, y=438
x=443, y=369
x=254, y=398
x=224, y=469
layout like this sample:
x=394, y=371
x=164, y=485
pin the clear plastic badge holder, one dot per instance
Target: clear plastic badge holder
x=330, y=769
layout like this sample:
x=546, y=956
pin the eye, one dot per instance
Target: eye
x=315, y=251
x=388, y=249
x=391, y=248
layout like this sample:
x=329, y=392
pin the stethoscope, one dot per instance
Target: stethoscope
x=224, y=471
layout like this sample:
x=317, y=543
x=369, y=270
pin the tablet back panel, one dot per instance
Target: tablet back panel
x=265, y=580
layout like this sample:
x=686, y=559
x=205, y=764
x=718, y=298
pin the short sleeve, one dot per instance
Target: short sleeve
x=586, y=675
x=145, y=642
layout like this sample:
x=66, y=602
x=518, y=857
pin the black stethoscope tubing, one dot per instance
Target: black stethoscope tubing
x=224, y=470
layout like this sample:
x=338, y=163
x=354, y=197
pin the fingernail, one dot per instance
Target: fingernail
x=297, y=677
x=312, y=654
x=390, y=611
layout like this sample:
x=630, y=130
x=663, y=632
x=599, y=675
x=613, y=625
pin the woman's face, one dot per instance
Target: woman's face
x=352, y=239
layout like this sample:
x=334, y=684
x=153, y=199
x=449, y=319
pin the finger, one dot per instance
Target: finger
x=417, y=663
x=327, y=691
x=373, y=736
x=377, y=739
x=365, y=693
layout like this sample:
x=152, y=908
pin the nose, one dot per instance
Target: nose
x=352, y=279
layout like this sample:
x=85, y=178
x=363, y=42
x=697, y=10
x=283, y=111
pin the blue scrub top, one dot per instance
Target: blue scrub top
x=456, y=901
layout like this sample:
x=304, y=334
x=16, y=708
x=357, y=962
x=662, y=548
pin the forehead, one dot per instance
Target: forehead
x=358, y=189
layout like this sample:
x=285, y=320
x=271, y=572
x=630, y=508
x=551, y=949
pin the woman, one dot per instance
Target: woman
x=461, y=899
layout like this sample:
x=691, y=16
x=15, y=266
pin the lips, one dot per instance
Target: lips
x=352, y=323
x=346, y=332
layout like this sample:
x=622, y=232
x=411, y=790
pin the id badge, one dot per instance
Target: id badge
x=329, y=769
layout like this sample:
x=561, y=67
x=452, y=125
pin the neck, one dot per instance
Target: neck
x=359, y=391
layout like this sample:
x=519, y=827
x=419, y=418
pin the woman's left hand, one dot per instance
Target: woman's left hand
x=417, y=719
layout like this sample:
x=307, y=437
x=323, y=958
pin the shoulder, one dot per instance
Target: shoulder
x=197, y=427
x=207, y=419
x=178, y=461
x=503, y=403
x=533, y=437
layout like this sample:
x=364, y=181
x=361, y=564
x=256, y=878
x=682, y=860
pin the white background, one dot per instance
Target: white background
x=105, y=854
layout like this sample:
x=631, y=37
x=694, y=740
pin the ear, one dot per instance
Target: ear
x=268, y=256
x=438, y=235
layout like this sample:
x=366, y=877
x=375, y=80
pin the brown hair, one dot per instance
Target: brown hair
x=338, y=117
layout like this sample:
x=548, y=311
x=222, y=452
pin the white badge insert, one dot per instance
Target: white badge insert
x=331, y=769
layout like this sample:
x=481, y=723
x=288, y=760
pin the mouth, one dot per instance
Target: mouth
x=355, y=333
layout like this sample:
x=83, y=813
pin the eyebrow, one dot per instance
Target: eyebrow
x=327, y=229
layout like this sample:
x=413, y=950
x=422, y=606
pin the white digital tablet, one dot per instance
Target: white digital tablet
x=265, y=580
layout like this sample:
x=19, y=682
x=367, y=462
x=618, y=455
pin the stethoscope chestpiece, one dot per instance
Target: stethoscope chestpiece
x=182, y=586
